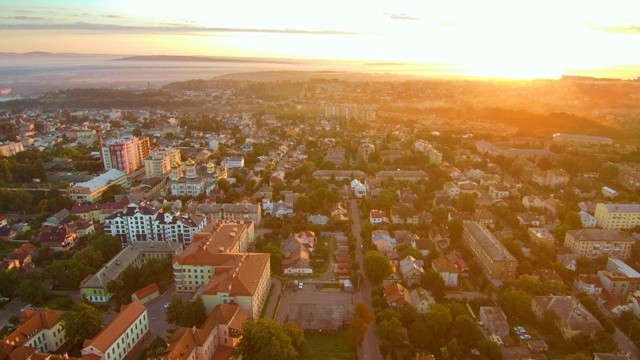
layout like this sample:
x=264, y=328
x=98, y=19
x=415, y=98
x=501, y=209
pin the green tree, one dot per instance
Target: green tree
x=6, y=172
x=224, y=185
x=573, y=220
x=8, y=281
x=608, y=173
x=464, y=329
x=466, y=202
x=545, y=164
x=391, y=331
x=108, y=246
x=432, y=281
x=194, y=313
x=516, y=304
x=174, y=310
x=376, y=266
x=266, y=339
x=82, y=322
x=529, y=284
x=302, y=204
x=357, y=330
x=110, y=192
x=490, y=349
x=136, y=132
x=32, y=291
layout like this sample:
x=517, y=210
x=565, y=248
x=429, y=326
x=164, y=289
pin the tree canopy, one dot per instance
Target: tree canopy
x=376, y=267
x=82, y=322
x=265, y=339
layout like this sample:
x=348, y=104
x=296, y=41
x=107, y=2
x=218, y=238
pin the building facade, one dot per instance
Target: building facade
x=91, y=191
x=617, y=216
x=158, y=163
x=126, y=155
x=10, y=149
x=592, y=243
x=494, y=259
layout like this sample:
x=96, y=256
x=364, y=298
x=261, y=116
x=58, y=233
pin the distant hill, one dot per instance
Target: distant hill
x=204, y=59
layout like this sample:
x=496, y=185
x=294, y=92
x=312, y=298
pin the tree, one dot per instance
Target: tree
x=110, y=192
x=466, y=202
x=6, y=172
x=193, y=313
x=529, y=284
x=573, y=220
x=432, y=281
x=464, y=329
x=107, y=245
x=174, y=310
x=136, y=132
x=8, y=281
x=32, y=291
x=391, y=331
x=545, y=164
x=82, y=322
x=224, y=185
x=362, y=317
x=516, y=304
x=455, y=229
x=266, y=339
x=376, y=267
x=303, y=204
x=490, y=349
x=608, y=173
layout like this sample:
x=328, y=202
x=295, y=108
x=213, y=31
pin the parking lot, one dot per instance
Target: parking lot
x=312, y=308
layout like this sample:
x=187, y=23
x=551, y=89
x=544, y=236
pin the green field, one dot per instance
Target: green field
x=327, y=347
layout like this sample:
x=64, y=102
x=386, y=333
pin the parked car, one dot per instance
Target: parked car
x=166, y=305
x=299, y=285
x=525, y=337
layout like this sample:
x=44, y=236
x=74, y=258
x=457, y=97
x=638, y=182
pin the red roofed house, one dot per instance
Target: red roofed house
x=447, y=270
x=38, y=331
x=146, y=294
x=378, y=217
x=397, y=296
x=19, y=258
x=58, y=238
x=122, y=337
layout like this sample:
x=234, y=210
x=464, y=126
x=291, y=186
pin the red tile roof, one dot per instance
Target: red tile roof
x=146, y=291
x=128, y=315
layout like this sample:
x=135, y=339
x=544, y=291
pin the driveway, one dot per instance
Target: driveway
x=275, y=296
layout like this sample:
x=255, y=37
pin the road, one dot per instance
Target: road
x=370, y=349
x=12, y=308
x=275, y=295
x=625, y=344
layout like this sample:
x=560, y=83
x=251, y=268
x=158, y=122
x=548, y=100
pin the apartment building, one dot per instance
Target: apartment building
x=495, y=260
x=122, y=337
x=573, y=318
x=243, y=211
x=94, y=288
x=550, y=178
x=227, y=236
x=145, y=223
x=576, y=139
x=158, y=163
x=126, y=154
x=617, y=216
x=223, y=277
x=592, y=243
x=619, y=279
x=11, y=148
x=40, y=330
x=91, y=191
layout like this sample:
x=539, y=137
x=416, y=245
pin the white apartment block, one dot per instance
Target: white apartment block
x=158, y=163
x=617, y=216
x=39, y=329
x=91, y=191
x=122, y=336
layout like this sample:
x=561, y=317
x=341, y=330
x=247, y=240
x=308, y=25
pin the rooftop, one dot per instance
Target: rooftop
x=102, y=180
x=127, y=316
x=488, y=241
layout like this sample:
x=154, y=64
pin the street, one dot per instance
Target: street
x=625, y=344
x=12, y=308
x=370, y=349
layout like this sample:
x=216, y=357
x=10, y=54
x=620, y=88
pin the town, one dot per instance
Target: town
x=345, y=219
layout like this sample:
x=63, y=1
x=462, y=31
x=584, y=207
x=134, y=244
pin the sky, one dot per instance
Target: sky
x=492, y=38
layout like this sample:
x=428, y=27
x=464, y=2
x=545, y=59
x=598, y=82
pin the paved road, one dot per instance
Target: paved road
x=275, y=295
x=370, y=349
x=625, y=344
x=12, y=308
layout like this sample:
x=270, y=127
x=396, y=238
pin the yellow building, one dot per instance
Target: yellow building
x=91, y=191
x=592, y=243
x=617, y=216
x=494, y=259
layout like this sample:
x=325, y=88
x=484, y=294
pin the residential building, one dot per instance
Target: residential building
x=126, y=155
x=11, y=148
x=40, y=330
x=91, y=191
x=451, y=189
x=158, y=163
x=577, y=139
x=498, y=192
x=573, y=317
x=447, y=270
x=57, y=238
x=359, y=189
x=589, y=284
x=494, y=320
x=295, y=256
x=94, y=288
x=494, y=259
x=243, y=211
x=628, y=176
x=404, y=214
x=221, y=277
x=619, y=279
x=365, y=149
x=608, y=192
x=533, y=201
x=145, y=223
x=617, y=216
x=378, y=217
x=383, y=241
x=339, y=174
x=421, y=300
x=20, y=258
x=98, y=212
x=397, y=296
x=550, y=178
x=146, y=294
x=592, y=243
x=236, y=162
x=399, y=175
x=339, y=212
x=227, y=236
x=541, y=235
x=123, y=336
x=412, y=270
x=588, y=221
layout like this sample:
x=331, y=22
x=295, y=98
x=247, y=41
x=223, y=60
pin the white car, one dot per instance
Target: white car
x=166, y=305
x=299, y=285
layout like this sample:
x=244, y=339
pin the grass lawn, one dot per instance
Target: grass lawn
x=327, y=347
x=266, y=302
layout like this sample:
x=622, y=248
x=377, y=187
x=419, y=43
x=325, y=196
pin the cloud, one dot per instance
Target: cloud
x=403, y=17
x=110, y=16
x=177, y=28
x=28, y=18
x=82, y=15
x=628, y=29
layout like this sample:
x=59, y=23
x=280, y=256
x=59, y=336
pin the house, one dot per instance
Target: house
x=57, y=219
x=533, y=201
x=421, y=300
x=295, y=256
x=451, y=189
x=404, y=214
x=317, y=219
x=397, y=296
x=359, y=189
x=537, y=346
x=40, y=331
x=57, y=238
x=383, y=241
x=485, y=217
x=124, y=335
x=236, y=162
x=394, y=277
x=573, y=317
x=618, y=278
x=550, y=178
x=378, y=217
x=447, y=270
x=498, y=192
x=588, y=221
x=613, y=305
x=411, y=270
x=494, y=320
x=459, y=263
x=20, y=258
x=633, y=300
x=439, y=235
x=589, y=284
x=146, y=294
x=609, y=192
x=528, y=219
x=541, y=235
x=339, y=212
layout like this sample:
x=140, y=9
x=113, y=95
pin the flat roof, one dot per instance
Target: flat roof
x=488, y=241
x=102, y=180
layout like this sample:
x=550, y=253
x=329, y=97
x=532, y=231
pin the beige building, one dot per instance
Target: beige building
x=239, y=212
x=222, y=277
x=10, y=149
x=91, y=191
x=158, y=163
x=551, y=178
x=592, y=243
x=617, y=216
x=494, y=259
x=573, y=317
x=123, y=335
x=40, y=330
